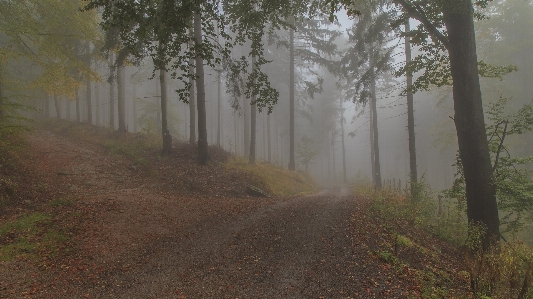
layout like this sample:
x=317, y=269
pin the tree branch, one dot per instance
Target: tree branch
x=418, y=14
x=500, y=146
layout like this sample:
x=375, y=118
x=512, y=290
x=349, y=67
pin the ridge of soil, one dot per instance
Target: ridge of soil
x=183, y=231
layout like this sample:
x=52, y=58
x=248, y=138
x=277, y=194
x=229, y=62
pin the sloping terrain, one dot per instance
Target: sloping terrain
x=104, y=225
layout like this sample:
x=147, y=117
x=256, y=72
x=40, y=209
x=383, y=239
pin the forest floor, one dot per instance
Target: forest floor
x=92, y=224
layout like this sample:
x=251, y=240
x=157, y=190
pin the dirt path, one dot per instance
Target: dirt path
x=139, y=241
x=300, y=248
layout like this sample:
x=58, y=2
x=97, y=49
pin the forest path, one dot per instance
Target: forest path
x=137, y=240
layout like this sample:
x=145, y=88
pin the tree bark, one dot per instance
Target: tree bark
x=219, y=107
x=377, y=167
x=469, y=121
x=410, y=111
x=47, y=108
x=111, y=92
x=269, y=141
x=134, y=108
x=345, y=180
x=192, y=100
x=167, y=138
x=97, y=104
x=202, y=125
x=58, y=107
x=292, y=162
x=1, y=94
x=121, y=84
x=78, y=112
x=253, y=120
x=89, y=98
x=372, y=158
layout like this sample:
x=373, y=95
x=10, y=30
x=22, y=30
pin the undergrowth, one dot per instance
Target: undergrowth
x=273, y=179
x=31, y=236
x=504, y=272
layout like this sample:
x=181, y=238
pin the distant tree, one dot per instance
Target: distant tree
x=306, y=151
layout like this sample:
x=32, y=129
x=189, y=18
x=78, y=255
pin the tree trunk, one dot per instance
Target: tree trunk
x=253, y=120
x=345, y=180
x=58, y=107
x=89, y=99
x=469, y=121
x=292, y=162
x=372, y=158
x=46, y=107
x=134, y=108
x=333, y=155
x=121, y=83
x=78, y=112
x=410, y=111
x=111, y=92
x=269, y=141
x=377, y=168
x=98, y=109
x=167, y=138
x=1, y=95
x=219, y=120
x=202, y=125
x=192, y=100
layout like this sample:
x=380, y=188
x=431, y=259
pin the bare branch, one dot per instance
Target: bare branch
x=417, y=13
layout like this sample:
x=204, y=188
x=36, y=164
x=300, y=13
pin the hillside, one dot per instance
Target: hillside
x=90, y=214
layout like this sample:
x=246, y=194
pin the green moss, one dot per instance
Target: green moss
x=29, y=236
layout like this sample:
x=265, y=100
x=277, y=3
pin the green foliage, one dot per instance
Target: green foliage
x=506, y=271
x=445, y=218
x=514, y=188
x=306, y=151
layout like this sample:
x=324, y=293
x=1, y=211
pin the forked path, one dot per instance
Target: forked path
x=299, y=248
x=139, y=240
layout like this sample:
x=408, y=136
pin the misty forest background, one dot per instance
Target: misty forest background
x=56, y=61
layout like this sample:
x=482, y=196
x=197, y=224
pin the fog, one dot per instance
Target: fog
x=504, y=39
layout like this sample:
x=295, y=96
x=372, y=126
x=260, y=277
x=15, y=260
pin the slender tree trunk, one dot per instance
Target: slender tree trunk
x=345, y=180
x=134, y=108
x=292, y=162
x=69, y=108
x=377, y=167
x=202, y=125
x=253, y=120
x=121, y=83
x=235, y=127
x=167, y=138
x=469, y=120
x=112, y=92
x=410, y=110
x=192, y=100
x=333, y=155
x=47, y=108
x=372, y=158
x=269, y=141
x=97, y=104
x=219, y=106
x=78, y=112
x=58, y=107
x=1, y=94
x=246, y=128
x=89, y=99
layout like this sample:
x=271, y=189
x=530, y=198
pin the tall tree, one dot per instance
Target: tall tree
x=88, y=97
x=203, y=155
x=410, y=108
x=111, y=81
x=253, y=120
